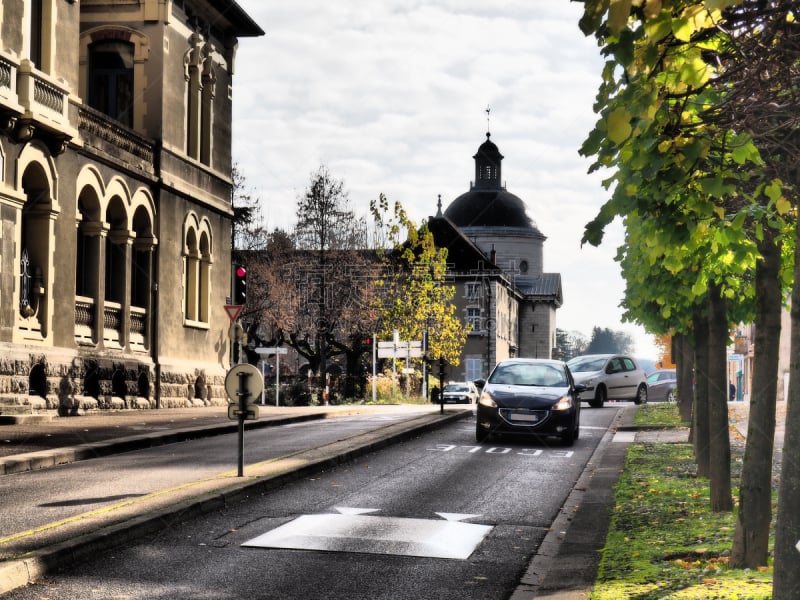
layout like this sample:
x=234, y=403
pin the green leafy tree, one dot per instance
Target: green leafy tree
x=686, y=121
x=414, y=292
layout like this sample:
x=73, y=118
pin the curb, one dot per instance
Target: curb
x=540, y=572
x=21, y=571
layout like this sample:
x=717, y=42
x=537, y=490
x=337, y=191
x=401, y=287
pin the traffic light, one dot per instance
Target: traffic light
x=368, y=343
x=239, y=284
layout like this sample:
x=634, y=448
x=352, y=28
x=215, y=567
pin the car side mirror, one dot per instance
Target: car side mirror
x=479, y=383
x=579, y=388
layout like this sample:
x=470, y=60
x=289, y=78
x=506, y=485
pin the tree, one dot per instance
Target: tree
x=249, y=232
x=414, y=293
x=606, y=341
x=710, y=80
x=324, y=307
x=688, y=173
x=570, y=344
x=249, y=239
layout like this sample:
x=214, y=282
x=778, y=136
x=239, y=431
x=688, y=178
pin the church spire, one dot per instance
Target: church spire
x=439, y=207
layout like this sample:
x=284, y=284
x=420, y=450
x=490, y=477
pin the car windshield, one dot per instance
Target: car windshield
x=529, y=374
x=661, y=376
x=455, y=388
x=579, y=365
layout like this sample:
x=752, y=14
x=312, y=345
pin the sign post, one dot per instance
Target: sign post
x=243, y=383
x=277, y=351
x=397, y=349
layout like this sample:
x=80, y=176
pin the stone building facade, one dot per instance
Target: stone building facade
x=115, y=201
x=496, y=257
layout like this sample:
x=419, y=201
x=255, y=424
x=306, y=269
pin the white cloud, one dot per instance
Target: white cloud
x=391, y=96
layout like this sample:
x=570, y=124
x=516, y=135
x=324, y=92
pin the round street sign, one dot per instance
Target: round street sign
x=252, y=381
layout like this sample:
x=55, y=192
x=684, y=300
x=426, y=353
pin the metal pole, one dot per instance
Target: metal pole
x=263, y=376
x=425, y=363
x=374, y=369
x=441, y=385
x=243, y=397
x=277, y=375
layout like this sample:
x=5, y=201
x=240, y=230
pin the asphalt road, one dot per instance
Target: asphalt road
x=130, y=481
x=380, y=512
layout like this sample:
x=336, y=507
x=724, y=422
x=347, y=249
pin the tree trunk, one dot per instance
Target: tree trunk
x=700, y=414
x=684, y=359
x=751, y=538
x=786, y=576
x=719, y=441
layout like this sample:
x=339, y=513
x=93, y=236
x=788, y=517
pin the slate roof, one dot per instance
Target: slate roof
x=546, y=287
x=462, y=253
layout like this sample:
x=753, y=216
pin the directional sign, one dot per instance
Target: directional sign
x=400, y=349
x=272, y=350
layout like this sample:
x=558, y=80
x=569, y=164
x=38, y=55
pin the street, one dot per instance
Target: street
x=438, y=516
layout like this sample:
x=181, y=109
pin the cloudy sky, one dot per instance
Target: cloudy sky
x=391, y=96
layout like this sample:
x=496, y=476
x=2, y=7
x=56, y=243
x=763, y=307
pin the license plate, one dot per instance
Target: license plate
x=524, y=417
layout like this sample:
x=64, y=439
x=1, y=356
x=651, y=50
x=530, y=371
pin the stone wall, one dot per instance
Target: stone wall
x=72, y=383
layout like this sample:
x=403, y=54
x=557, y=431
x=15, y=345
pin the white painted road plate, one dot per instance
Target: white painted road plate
x=371, y=534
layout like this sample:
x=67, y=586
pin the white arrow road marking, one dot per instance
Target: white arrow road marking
x=456, y=516
x=346, y=510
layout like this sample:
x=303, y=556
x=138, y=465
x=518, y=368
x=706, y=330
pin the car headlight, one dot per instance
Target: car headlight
x=563, y=403
x=487, y=400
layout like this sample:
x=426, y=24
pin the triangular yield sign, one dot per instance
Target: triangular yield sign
x=233, y=310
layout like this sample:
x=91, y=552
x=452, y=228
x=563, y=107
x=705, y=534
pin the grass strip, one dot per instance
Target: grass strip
x=664, y=542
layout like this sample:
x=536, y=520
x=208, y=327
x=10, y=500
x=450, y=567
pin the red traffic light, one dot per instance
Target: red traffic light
x=239, y=284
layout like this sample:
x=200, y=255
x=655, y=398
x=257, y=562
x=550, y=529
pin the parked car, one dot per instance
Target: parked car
x=662, y=386
x=460, y=392
x=609, y=377
x=530, y=396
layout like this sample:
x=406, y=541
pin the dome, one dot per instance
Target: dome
x=488, y=208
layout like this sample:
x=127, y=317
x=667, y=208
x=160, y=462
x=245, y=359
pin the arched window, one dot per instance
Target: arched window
x=35, y=250
x=197, y=266
x=111, y=79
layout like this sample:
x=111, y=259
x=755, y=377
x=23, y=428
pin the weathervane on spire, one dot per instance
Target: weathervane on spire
x=488, y=116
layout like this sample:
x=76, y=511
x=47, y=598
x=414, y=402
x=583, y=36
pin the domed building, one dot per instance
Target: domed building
x=495, y=251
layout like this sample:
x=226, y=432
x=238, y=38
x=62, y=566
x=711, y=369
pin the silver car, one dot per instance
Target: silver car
x=662, y=386
x=609, y=377
x=460, y=392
